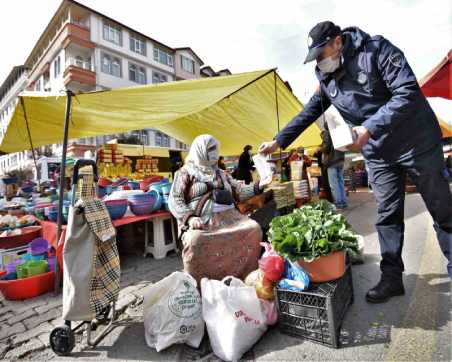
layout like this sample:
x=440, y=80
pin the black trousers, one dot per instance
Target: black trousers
x=388, y=185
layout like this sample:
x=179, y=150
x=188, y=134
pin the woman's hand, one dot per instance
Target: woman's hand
x=195, y=223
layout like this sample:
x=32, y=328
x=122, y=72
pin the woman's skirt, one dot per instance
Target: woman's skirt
x=229, y=245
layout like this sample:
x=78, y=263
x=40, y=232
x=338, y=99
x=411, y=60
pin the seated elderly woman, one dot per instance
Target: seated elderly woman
x=217, y=240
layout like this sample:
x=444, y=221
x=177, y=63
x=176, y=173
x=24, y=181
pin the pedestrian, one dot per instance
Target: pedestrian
x=246, y=165
x=334, y=164
x=371, y=84
x=324, y=183
x=221, y=164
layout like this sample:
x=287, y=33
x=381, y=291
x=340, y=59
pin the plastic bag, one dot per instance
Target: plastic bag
x=263, y=167
x=233, y=315
x=264, y=287
x=272, y=266
x=172, y=312
x=270, y=311
x=295, y=278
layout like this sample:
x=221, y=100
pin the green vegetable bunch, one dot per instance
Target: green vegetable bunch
x=312, y=231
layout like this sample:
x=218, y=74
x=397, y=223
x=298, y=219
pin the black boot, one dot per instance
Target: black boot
x=389, y=286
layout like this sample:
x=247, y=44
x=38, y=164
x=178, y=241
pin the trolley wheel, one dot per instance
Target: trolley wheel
x=62, y=340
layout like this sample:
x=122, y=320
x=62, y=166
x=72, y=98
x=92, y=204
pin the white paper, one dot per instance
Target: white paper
x=263, y=167
x=341, y=134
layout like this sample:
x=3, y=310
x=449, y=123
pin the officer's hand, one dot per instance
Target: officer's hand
x=268, y=147
x=362, y=136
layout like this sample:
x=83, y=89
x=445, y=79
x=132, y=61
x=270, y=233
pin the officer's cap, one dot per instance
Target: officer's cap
x=318, y=38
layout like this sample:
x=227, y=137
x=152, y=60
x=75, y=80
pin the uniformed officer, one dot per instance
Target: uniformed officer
x=371, y=84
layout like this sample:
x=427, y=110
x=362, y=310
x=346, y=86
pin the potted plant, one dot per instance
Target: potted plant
x=316, y=237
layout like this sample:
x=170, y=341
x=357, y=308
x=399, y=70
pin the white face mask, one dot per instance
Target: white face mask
x=329, y=65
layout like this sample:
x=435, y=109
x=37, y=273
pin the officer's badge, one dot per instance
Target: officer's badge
x=333, y=92
x=309, y=41
x=396, y=60
x=362, y=78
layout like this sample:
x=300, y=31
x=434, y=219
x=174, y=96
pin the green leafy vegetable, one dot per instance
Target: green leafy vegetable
x=312, y=231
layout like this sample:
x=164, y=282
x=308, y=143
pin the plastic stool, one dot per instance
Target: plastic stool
x=160, y=246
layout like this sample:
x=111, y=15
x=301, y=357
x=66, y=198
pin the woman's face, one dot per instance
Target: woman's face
x=213, y=155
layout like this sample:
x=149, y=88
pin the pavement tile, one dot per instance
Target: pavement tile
x=36, y=321
x=51, y=305
x=31, y=346
x=24, y=337
x=10, y=331
x=20, y=317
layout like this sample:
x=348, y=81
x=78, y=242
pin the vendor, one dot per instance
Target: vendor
x=373, y=87
x=217, y=240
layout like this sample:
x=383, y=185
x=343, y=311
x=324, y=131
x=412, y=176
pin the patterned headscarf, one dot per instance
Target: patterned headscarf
x=198, y=162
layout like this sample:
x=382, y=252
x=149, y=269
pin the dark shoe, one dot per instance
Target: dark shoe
x=387, y=288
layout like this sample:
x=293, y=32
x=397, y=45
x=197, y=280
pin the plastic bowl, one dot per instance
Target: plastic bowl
x=134, y=185
x=103, y=182
x=11, y=267
x=53, y=215
x=36, y=267
x=28, y=234
x=117, y=207
x=148, y=196
x=144, y=208
x=39, y=246
x=21, y=289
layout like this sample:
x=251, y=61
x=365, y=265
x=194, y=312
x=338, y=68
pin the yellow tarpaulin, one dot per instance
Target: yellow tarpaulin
x=238, y=110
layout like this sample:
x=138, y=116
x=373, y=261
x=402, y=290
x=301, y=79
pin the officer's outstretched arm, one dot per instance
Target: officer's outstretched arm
x=318, y=103
x=401, y=82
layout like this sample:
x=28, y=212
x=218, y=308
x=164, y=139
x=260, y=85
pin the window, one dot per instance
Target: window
x=79, y=61
x=112, y=33
x=159, y=78
x=137, y=74
x=137, y=44
x=111, y=65
x=56, y=67
x=163, y=57
x=161, y=139
x=187, y=64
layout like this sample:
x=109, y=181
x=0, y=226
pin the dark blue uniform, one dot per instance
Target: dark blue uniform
x=376, y=88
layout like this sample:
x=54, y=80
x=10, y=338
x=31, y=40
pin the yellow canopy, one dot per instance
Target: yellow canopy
x=238, y=110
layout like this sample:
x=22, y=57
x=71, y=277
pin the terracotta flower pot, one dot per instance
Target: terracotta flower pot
x=325, y=268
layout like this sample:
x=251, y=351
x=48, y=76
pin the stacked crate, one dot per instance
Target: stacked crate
x=147, y=165
x=283, y=194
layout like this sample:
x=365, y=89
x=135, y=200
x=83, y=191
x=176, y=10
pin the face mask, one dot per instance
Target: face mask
x=329, y=65
x=250, y=152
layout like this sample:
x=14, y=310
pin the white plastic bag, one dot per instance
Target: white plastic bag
x=172, y=312
x=233, y=315
x=263, y=167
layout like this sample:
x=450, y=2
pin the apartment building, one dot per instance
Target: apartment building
x=84, y=50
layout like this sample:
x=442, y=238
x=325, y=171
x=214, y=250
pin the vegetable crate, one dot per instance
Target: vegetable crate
x=316, y=313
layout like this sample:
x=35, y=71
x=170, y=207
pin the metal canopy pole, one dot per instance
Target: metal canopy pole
x=31, y=142
x=277, y=118
x=67, y=116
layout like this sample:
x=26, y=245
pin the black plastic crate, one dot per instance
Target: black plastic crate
x=316, y=313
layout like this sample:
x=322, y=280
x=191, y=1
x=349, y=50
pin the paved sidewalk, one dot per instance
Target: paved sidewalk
x=25, y=325
x=414, y=327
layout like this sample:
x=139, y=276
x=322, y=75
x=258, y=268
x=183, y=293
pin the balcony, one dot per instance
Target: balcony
x=75, y=33
x=80, y=71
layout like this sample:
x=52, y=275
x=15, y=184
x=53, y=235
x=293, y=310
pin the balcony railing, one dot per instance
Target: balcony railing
x=80, y=63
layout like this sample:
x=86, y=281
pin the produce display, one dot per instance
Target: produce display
x=9, y=222
x=312, y=231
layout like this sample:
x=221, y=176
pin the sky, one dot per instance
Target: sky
x=246, y=35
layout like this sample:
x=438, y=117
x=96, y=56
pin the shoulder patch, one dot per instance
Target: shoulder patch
x=396, y=60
